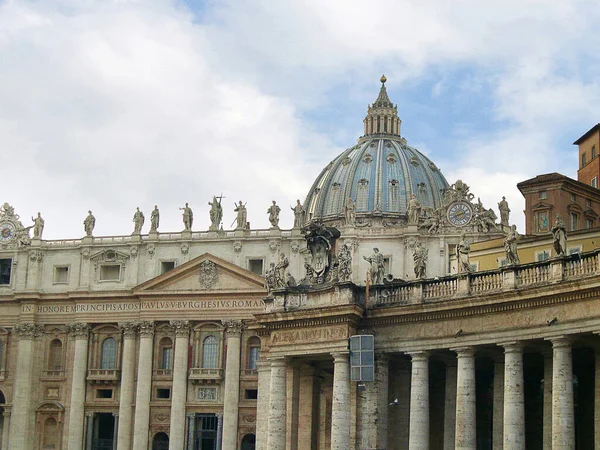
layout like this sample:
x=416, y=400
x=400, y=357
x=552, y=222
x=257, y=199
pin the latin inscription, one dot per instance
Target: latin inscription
x=308, y=336
x=142, y=306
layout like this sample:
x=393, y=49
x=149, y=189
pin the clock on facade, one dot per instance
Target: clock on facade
x=460, y=214
x=7, y=231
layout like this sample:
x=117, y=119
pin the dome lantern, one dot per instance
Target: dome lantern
x=382, y=116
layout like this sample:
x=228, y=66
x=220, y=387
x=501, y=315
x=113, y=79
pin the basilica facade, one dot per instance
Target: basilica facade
x=218, y=339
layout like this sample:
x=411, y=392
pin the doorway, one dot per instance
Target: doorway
x=160, y=441
x=206, y=432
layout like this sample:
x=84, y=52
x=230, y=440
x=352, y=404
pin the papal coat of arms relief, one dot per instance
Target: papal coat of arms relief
x=209, y=274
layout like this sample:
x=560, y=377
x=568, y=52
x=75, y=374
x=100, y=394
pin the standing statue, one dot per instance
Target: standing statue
x=188, y=217
x=486, y=220
x=420, y=256
x=299, y=213
x=154, y=219
x=350, y=212
x=242, y=216
x=510, y=246
x=377, y=266
x=38, y=226
x=559, y=235
x=504, y=211
x=462, y=254
x=216, y=213
x=138, y=221
x=413, y=210
x=273, y=212
x=344, y=263
x=89, y=223
x=270, y=278
x=280, y=269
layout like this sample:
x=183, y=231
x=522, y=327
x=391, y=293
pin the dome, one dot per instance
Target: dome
x=380, y=173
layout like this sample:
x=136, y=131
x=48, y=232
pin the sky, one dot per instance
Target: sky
x=109, y=105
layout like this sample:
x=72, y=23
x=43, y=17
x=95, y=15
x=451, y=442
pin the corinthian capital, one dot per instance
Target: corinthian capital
x=128, y=329
x=181, y=327
x=233, y=327
x=27, y=330
x=78, y=330
x=146, y=329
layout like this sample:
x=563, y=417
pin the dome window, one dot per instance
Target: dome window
x=391, y=158
x=367, y=159
x=335, y=185
x=346, y=161
x=414, y=161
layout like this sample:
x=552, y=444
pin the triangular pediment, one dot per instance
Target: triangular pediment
x=542, y=205
x=206, y=273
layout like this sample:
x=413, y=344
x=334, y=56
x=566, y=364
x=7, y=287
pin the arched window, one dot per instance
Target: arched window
x=160, y=441
x=166, y=353
x=210, y=352
x=253, y=352
x=249, y=442
x=55, y=355
x=108, y=359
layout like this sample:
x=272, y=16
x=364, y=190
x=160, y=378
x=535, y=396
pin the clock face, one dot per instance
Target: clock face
x=460, y=214
x=7, y=232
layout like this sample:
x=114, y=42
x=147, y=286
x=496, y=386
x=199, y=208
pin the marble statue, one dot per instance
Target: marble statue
x=280, y=269
x=413, y=210
x=242, y=216
x=350, y=212
x=462, y=254
x=510, y=246
x=154, y=219
x=273, y=212
x=138, y=221
x=344, y=263
x=486, y=219
x=504, y=211
x=89, y=223
x=188, y=217
x=270, y=278
x=559, y=236
x=7, y=210
x=216, y=213
x=377, y=268
x=299, y=213
x=38, y=226
x=420, y=256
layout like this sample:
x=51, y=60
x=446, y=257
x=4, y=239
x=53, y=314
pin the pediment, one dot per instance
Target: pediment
x=541, y=205
x=206, y=273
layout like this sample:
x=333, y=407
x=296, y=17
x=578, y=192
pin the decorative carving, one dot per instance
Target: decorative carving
x=138, y=221
x=36, y=255
x=420, y=256
x=459, y=191
x=209, y=274
x=216, y=213
x=344, y=259
x=146, y=328
x=207, y=394
x=85, y=252
x=233, y=327
x=161, y=417
x=181, y=327
x=185, y=248
x=319, y=241
x=273, y=246
x=28, y=330
x=12, y=232
x=154, y=219
x=78, y=330
x=151, y=249
x=188, y=217
x=89, y=223
x=237, y=246
x=295, y=246
x=129, y=329
x=377, y=268
x=249, y=418
x=133, y=251
x=273, y=212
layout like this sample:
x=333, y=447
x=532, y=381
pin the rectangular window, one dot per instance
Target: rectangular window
x=574, y=221
x=588, y=203
x=543, y=195
x=110, y=272
x=542, y=256
x=387, y=265
x=572, y=197
x=163, y=394
x=253, y=357
x=589, y=223
x=255, y=265
x=104, y=393
x=594, y=182
x=362, y=357
x=167, y=358
x=165, y=266
x=251, y=394
x=593, y=151
x=574, y=250
x=61, y=274
x=583, y=159
x=5, y=268
x=502, y=262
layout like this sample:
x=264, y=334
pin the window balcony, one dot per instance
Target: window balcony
x=162, y=374
x=201, y=375
x=53, y=374
x=103, y=376
x=249, y=374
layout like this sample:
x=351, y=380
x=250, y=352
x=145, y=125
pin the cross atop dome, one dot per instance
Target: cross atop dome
x=382, y=115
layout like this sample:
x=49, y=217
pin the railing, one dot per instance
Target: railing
x=400, y=295
x=103, y=375
x=163, y=374
x=53, y=374
x=442, y=288
x=486, y=282
x=533, y=275
x=201, y=374
x=249, y=373
x=581, y=266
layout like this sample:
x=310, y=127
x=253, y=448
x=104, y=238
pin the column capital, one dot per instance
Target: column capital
x=146, y=329
x=6, y=413
x=27, y=330
x=129, y=329
x=115, y=414
x=340, y=357
x=277, y=361
x=512, y=347
x=560, y=341
x=464, y=352
x=191, y=415
x=263, y=365
x=78, y=330
x=233, y=327
x=419, y=356
x=90, y=414
x=181, y=327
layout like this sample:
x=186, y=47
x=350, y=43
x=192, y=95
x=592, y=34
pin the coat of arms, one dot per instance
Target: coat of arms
x=209, y=274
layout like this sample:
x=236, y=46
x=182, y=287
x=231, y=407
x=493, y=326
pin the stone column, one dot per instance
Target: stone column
x=514, y=397
x=219, y=431
x=466, y=430
x=292, y=406
x=262, y=404
x=21, y=425
x=5, y=430
x=89, y=433
x=141, y=428
x=418, y=437
x=498, y=406
x=306, y=432
x=232, y=383
x=596, y=400
x=373, y=410
x=79, y=332
x=547, y=408
x=191, y=431
x=450, y=405
x=125, y=416
x=116, y=431
x=277, y=407
x=563, y=422
x=340, y=405
x=178, y=397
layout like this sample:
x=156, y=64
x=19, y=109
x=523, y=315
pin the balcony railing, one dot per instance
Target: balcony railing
x=103, y=376
x=249, y=374
x=53, y=374
x=198, y=375
x=163, y=374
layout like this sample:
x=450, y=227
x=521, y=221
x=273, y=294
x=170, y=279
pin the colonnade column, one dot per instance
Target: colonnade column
x=232, y=384
x=547, y=407
x=563, y=421
x=262, y=404
x=498, y=406
x=450, y=405
x=596, y=399
x=144, y=383
x=466, y=430
x=514, y=397
x=418, y=438
x=277, y=405
x=340, y=405
x=179, y=394
x=372, y=427
x=79, y=332
x=22, y=418
x=306, y=416
x=123, y=438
